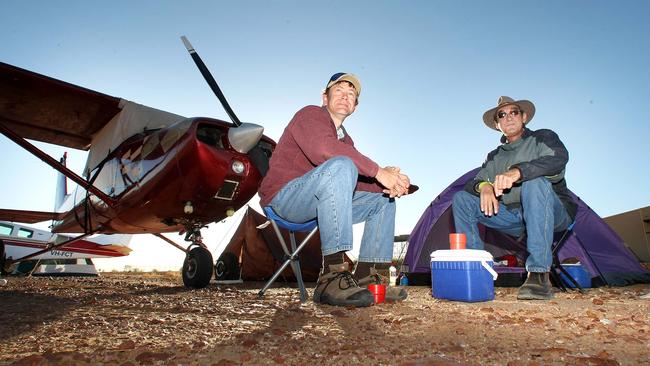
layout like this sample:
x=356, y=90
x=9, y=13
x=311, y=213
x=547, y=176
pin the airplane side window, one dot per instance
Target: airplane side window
x=210, y=135
x=5, y=229
x=24, y=233
x=173, y=133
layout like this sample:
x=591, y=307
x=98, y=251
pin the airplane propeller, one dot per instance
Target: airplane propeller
x=246, y=135
x=210, y=80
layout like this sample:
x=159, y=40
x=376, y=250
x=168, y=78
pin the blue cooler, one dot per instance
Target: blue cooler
x=462, y=275
x=579, y=273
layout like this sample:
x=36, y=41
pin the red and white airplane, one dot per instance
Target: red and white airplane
x=148, y=171
x=75, y=258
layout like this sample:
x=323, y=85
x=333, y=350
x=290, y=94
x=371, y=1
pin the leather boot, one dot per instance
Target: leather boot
x=537, y=287
x=339, y=288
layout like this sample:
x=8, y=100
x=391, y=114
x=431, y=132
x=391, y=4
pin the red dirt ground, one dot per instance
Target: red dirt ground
x=145, y=319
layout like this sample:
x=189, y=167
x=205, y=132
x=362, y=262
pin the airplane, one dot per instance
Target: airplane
x=73, y=259
x=147, y=171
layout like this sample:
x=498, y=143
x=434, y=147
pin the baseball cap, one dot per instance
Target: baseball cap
x=342, y=76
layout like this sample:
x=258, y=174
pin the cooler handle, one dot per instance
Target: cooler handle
x=489, y=269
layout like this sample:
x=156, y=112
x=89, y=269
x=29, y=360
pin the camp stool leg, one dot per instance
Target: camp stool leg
x=557, y=265
x=290, y=258
x=295, y=263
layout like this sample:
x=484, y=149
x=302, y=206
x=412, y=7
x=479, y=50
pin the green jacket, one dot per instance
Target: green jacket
x=536, y=154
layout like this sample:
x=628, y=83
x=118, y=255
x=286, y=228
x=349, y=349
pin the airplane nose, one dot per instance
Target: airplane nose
x=245, y=137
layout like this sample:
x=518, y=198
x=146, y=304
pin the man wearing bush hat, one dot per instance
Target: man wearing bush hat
x=316, y=172
x=519, y=188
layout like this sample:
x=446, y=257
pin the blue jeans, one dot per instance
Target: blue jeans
x=541, y=214
x=327, y=193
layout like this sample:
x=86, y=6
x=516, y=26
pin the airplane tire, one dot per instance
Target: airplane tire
x=227, y=267
x=197, y=268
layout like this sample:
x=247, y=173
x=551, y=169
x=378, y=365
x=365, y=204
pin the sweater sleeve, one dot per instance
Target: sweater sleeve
x=552, y=160
x=487, y=170
x=315, y=135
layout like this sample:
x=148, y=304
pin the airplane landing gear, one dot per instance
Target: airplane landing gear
x=197, y=268
x=227, y=267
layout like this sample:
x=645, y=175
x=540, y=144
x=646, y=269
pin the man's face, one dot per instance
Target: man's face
x=341, y=99
x=510, y=120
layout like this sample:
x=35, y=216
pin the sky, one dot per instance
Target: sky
x=428, y=69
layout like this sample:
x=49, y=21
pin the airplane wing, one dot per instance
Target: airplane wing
x=120, y=250
x=41, y=108
x=29, y=217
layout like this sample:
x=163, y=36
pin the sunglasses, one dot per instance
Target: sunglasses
x=513, y=113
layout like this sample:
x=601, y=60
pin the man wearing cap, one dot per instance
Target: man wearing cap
x=316, y=172
x=520, y=187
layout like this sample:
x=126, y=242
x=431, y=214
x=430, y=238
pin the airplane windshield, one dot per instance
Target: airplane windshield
x=211, y=135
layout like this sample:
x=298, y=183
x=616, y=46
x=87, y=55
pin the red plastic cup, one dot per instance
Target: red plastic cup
x=378, y=291
x=457, y=241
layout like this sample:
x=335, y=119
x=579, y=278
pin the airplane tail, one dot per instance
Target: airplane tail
x=61, y=186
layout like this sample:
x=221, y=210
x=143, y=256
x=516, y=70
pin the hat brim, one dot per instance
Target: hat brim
x=525, y=105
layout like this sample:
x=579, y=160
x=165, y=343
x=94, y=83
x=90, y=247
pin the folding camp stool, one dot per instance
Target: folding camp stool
x=290, y=258
x=556, y=266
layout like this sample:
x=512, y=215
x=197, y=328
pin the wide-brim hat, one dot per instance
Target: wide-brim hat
x=342, y=76
x=489, y=117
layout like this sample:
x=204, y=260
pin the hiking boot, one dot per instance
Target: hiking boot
x=339, y=288
x=392, y=293
x=537, y=287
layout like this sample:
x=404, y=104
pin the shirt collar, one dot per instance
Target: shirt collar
x=526, y=133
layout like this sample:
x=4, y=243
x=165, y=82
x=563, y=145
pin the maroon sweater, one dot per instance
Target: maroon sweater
x=308, y=141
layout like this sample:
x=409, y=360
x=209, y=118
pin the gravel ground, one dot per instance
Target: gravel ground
x=144, y=319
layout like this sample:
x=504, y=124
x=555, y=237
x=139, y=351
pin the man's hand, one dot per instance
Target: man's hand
x=489, y=201
x=505, y=181
x=396, y=183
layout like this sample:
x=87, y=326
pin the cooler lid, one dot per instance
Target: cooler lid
x=461, y=255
